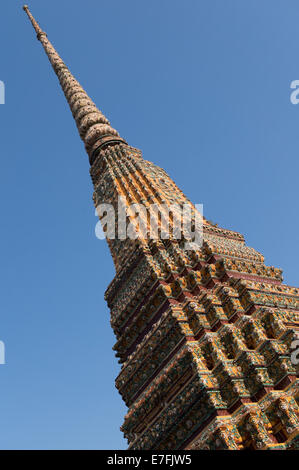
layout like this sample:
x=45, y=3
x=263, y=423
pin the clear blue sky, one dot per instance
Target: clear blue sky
x=203, y=88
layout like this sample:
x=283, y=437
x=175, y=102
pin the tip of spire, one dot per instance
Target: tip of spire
x=35, y=24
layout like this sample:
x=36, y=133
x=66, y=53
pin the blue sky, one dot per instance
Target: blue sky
x=203, y=88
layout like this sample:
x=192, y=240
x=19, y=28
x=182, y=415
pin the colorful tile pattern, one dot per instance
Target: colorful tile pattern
x=204, y=338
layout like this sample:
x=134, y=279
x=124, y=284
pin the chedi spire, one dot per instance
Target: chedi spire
x=204, y=335
x=94, y=128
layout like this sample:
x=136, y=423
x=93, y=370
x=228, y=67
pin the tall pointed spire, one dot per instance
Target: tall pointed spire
x=94, y=128
x=204, y=336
